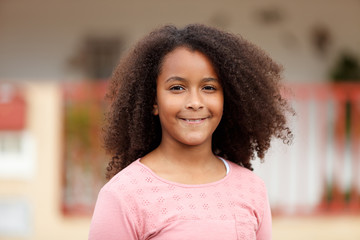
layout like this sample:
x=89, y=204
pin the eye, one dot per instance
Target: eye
x=177, y=88
x=209, y=88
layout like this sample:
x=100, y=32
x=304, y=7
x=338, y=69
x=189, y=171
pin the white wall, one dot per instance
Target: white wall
x=39, y=37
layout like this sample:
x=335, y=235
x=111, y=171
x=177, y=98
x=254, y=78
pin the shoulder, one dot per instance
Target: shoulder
x=125, y=180
x=246, y=177
x=243, y=172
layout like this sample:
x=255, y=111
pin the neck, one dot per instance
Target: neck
x=185, y=164
x=187, y=157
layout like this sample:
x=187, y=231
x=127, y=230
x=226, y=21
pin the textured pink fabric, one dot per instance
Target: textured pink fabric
x=138, y=204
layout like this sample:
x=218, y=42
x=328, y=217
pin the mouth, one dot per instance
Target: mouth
x=194, y=120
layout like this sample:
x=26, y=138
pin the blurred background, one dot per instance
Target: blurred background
x=56, y=57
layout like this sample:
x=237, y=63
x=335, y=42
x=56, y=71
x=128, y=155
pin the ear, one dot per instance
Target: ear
x=155, y=109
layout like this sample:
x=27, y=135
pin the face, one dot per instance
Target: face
x=189, y=98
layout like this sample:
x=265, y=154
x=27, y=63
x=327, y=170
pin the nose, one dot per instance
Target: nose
x=194, y=101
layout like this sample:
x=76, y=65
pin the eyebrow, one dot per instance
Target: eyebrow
x=176, y=78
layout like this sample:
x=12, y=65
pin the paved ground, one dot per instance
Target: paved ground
x=317, y=228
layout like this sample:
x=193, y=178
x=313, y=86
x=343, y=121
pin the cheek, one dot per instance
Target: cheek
x=217, y=105
x=167, y=109
x=168, y=102
x=168, y=106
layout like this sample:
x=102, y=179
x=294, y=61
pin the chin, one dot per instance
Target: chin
x=194, y=142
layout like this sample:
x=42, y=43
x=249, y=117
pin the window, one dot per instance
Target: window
x=16, y=144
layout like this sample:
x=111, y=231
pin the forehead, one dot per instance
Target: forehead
x=184, y=59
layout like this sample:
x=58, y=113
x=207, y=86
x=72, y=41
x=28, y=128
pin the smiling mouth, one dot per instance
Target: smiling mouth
x=196, y=120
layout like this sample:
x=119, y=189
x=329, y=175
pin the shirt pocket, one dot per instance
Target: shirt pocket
x=246, y=227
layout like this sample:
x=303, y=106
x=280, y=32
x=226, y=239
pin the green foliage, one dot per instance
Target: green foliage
x=346, y=69
x=78, y=124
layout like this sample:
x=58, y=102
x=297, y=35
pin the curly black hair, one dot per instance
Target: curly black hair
x=254, y=109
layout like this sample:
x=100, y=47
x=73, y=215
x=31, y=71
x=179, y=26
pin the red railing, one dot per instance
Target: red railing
x=320, y=171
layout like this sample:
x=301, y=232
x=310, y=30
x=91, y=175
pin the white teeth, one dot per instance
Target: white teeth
x=193, y=120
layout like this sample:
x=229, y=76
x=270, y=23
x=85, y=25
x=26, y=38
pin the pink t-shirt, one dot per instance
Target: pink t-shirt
x=138, y=204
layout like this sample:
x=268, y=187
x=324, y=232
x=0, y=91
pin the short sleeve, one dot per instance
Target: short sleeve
x=265, y=230
x=110, y=220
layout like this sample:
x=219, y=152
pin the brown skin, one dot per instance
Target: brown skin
x=254, y=111
x=189, y=103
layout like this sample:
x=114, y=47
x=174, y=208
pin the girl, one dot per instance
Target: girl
x=189, y=109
